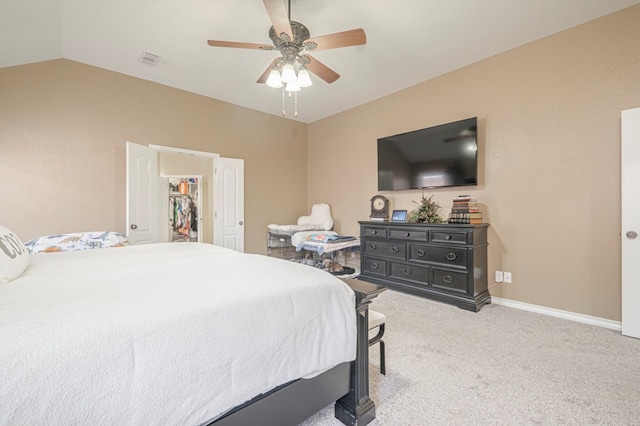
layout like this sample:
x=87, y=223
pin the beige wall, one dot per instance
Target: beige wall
x=549, y=123
x=63, y=127
x=549, y=158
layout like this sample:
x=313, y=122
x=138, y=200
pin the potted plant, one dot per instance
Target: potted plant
x=426, y=212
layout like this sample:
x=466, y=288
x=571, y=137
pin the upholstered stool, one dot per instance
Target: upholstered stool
x=377, y=320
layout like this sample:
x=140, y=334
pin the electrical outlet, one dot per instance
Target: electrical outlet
x=499, y=276
x=507, y=277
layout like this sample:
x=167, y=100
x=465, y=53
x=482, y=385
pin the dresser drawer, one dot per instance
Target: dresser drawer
x=405, y=272
x=448, y=280
x=386, y=249
x=374, y=267
x=374, y=231
x=408, y=234
x=449, y=236
x=451, y=256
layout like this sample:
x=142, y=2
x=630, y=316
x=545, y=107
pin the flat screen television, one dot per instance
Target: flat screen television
x=439, y=156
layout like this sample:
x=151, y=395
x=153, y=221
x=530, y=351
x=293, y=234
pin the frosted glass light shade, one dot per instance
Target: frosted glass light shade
x=274, y=79
x=304, y=79
x=292, y=86
x=288, y=73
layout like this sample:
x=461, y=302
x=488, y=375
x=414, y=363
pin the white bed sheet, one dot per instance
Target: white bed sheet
x=163, y=334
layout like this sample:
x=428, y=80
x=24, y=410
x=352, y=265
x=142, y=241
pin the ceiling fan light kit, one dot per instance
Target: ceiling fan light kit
x=292, y=86
x=274, y=79
x=291, y=71
x=304, y=79
x=288, y=74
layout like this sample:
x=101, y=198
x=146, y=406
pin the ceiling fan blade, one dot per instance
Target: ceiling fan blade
x=277, y=10
x=238, y=44
x=355, y=37
x=265, y=75
x=321, y=70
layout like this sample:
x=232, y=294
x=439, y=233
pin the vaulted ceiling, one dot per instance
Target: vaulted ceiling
x=408, y=41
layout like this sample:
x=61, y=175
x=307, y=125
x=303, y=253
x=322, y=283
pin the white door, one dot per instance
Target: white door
x=228, y=203
x=630, y=222
x=142, y=194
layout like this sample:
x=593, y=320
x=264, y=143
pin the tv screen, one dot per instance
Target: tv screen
x=438, y=156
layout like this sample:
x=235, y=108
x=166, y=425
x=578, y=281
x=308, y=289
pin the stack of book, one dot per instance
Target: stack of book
x=465, y=210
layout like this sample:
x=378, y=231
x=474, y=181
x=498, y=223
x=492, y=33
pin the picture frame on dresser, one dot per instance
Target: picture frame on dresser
x=399, y=216
x=444, y=262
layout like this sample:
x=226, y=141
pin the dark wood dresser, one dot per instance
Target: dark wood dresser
x=444, y=262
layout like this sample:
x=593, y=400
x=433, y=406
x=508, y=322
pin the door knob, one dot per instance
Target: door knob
x=134, y=226
x=631, y=234
x=241, y=223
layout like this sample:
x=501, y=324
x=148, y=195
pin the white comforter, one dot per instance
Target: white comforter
x=164, y=334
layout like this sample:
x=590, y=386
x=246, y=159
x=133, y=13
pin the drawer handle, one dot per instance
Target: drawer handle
x=406, y=234
x=420, y=253
x=451, y=256
x=448, y=279
x=374, y=232
x=375, y=265
x=447, y=237
x=394, y=249
x=408, y=271
x=372, y=246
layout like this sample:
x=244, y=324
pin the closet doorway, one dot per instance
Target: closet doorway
x=147, y=194
x=183, y=197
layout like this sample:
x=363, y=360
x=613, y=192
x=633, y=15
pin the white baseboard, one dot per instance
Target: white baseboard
x=586, y=319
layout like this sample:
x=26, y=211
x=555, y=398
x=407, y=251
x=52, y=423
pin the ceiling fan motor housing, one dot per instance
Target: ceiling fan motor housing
x=288, y=47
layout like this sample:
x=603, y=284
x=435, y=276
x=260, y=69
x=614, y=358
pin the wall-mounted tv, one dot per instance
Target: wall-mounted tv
x=439, y=156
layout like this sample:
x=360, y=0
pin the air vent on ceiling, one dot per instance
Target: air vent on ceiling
x=149, y=58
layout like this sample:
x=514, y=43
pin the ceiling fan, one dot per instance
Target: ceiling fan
x=292, y=39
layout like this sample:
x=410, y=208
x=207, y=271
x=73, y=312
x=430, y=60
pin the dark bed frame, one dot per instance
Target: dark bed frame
x=347, y=384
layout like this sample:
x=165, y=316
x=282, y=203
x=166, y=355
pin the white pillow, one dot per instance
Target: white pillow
x=14, y=256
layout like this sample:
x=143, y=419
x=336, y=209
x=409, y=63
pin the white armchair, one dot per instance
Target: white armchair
x=320, y=215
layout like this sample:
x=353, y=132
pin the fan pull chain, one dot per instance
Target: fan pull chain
x=295, y=103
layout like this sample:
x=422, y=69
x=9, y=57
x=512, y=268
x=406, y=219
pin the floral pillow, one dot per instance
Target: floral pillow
x=14, y=256
x=76, y=241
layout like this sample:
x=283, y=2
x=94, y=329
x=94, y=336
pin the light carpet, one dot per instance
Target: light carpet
x=500, y=366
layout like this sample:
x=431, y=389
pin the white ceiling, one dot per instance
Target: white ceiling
x=408, y=41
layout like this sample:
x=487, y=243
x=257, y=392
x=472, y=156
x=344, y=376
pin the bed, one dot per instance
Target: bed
x=184, y=334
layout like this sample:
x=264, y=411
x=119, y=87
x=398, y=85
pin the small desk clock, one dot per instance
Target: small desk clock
x=379, y=208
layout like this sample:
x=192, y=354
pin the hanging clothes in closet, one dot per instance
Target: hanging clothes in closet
x=183, y=211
